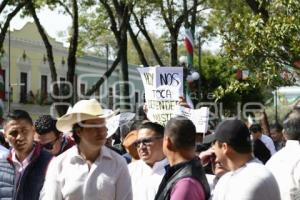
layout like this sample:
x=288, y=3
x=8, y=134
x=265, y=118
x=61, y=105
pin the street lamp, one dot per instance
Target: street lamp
x=199, y=50
x=107, y=86
x=9, y=86
x=189, y=74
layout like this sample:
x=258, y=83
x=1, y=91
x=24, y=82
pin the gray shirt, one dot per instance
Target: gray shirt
x=250, y=182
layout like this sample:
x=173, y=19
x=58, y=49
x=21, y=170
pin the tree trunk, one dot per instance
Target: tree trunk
x=259, y=8
x=137, y=47
x=141, y=25
x=105, y=76
x=73, y=48
x=265, y=123
x=61, y=109
x=174, y=47
x=3, y=5
x=124, y=87
x=10, y=16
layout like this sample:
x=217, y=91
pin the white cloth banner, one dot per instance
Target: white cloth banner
x=163, y=87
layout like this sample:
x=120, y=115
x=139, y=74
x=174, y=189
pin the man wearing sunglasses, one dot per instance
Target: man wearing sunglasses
x=49, y=137
x=146, y=173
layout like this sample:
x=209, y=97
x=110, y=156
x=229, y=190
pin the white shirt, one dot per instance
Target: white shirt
x=269, y=143
x=285, y=166
x=145, y=180
x=20, y=166
x=69, y=177
x=250, y=182
x=212, y=181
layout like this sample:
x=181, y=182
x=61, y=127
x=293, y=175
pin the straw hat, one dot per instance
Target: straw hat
x=81, y=111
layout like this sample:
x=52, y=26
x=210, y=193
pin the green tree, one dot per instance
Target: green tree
x=12, y=8
x=219, y=84
x=265, y=41
x=31, y=7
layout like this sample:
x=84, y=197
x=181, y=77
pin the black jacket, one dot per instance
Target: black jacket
x=31, y=181
x=192, y=168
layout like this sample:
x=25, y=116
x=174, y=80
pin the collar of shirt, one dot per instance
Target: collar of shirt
x=160, y=164
x=20, y=166
x=157, y=165
x=292, y=144
x=76, y=157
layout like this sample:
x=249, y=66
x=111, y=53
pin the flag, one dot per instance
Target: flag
x=188, y=41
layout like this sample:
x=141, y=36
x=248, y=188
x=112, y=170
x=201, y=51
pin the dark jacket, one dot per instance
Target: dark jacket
x=261, y=151
x=192, y=168
x=31, y=181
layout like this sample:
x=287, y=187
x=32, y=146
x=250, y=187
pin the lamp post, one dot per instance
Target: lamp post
x=9, y=85
x=107, y=84
x=199, y=51
x=183, y=60
x=276, y=112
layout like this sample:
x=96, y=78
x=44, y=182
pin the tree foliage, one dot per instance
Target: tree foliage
x=265, y=44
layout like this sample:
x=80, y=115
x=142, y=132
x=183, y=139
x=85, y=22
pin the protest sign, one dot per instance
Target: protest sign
x=163, y=87
x=199, y=117
x=114, y=122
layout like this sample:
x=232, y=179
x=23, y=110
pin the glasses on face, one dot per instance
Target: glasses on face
x=49, y=145
x=146, y=141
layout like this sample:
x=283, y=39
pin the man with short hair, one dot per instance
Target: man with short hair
x=248, y=179
x=146, y=173
x=185, y=178
x=285, y=164
x=49, y=137
x=22, y=173
x=277, y=136
x=256, y=131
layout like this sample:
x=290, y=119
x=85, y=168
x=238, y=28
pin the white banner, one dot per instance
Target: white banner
x=199, y=117
x=163, y=87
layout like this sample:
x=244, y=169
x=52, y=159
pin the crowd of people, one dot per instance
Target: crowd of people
x=74, y=158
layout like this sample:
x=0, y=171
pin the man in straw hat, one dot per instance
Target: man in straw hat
x=89, y=170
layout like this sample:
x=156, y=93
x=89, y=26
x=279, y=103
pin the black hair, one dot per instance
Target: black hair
x=157, y=128
x=18, y=115
x=75, y=129
x=44, y=124
x=140, y=113
x=254, y=128
x=291, y=125
x=243, y=149
x=276, y=126
x=182, y=132
x=135, y=125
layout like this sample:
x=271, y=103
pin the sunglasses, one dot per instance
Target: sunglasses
x=146, y=141
x=49, y=145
